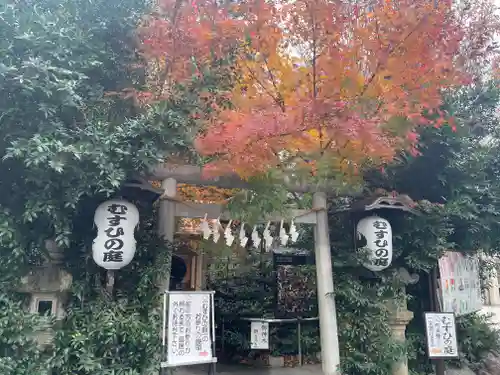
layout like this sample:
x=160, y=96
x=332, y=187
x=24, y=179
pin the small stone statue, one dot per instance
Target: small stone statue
x=404, y=276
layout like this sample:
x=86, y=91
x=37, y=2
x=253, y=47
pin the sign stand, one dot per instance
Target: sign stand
x=188, y=329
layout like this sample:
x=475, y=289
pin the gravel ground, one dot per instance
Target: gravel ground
x=236, y=370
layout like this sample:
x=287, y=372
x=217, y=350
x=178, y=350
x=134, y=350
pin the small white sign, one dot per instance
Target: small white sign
x=441, y=333
x=114, y=246
x=259, y=335
x=189, y=329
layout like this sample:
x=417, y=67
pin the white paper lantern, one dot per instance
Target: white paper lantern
x=374, y=235
x=114, y=246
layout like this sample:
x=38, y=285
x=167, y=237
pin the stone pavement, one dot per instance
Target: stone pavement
x=246, y=370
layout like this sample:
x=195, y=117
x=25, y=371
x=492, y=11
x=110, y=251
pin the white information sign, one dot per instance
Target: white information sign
x=441, y=333
x=190, y=330
x=259, y=335
x=460, y=284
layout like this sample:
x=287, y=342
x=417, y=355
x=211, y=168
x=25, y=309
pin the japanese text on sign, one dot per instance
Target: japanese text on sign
x=441, y=335
x=114, y=246
x=460, y=283
x=189, y=329
x=259, y=335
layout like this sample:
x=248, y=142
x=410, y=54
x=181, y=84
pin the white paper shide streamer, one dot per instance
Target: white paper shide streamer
x=215, y=230
x=294, y=235
x=284, y=237
x=228, y=235
x=268, y=238
x=255, y=237
x=205, y=228
x=243, y=236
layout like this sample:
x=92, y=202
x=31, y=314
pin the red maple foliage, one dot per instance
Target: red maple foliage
x=181, y=38
x=318, y=82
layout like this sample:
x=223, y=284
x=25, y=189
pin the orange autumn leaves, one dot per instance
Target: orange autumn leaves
x=316, y=82
x=181, y=39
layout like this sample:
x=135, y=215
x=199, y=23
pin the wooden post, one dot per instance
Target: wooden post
x=433, y=286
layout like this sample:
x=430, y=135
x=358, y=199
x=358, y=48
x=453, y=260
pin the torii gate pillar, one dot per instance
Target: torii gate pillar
x=330, y=356
x=166, y=217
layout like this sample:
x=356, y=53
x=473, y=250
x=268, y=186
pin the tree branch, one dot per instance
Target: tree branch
x=390, y=52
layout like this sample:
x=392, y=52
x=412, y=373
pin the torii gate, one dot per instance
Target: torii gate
x=170, y=209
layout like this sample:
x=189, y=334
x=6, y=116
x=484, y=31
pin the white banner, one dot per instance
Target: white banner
x=460, y=284
x=441, y=332
x=189, y=330
x=259, y=335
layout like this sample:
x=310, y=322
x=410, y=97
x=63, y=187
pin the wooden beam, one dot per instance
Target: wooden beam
x=192, y=175
x=194, y=210
x=214, y=211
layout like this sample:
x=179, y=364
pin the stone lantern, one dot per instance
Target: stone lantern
x=387, y=208
x=47, y=286
x=400, y=316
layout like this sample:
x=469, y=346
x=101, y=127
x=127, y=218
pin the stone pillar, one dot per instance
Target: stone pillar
x=166, y=230
x=493, y=291
x=328, y=331
x=400, y=316
x=199, y=271
x=398, y=321
x=166, y=219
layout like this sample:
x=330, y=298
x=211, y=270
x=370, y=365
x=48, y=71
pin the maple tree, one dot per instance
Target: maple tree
x=316, y=86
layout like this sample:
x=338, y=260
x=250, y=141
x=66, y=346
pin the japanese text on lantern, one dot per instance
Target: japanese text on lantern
x=380, y=242
x=441, y=335
x=374, y=237
x=114, y=244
